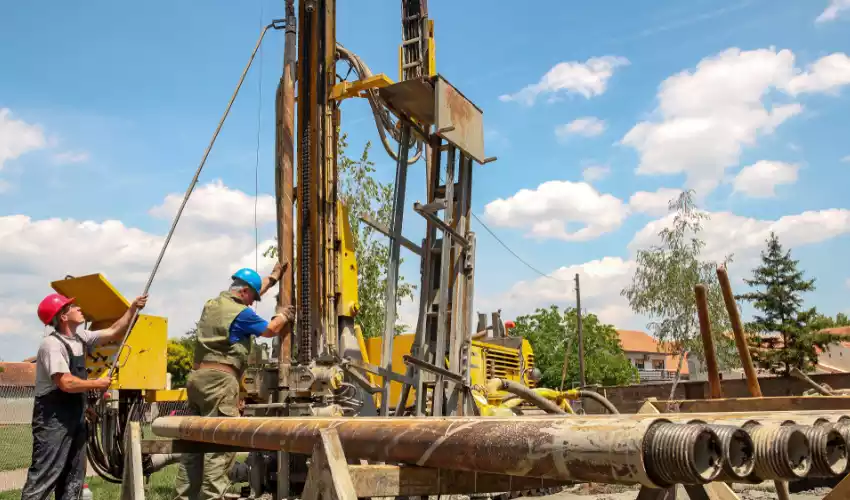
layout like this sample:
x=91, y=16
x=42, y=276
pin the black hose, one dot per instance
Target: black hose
x=530, y=396
x=599, y=398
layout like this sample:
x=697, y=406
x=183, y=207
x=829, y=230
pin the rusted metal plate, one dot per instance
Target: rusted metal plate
x=392, y=480
x=458, y=120
x=167, y=446
x=781, y=403
x=411, y=98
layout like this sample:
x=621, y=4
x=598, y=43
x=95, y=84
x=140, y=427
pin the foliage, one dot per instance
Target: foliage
x=786, y=336
x=821, y=322
x=550, y=332
x=662, y=287
x=181, y=354
x=365, y=196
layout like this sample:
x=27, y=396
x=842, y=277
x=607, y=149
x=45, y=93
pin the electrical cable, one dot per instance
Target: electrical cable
x=277, y=24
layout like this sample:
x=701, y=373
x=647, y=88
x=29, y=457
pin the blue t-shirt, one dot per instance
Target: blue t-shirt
x=247, y=323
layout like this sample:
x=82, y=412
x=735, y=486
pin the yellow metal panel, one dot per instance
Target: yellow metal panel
x=432, y=50
x=98, y=299
x=357, y=88
x=401, y=347
x=347, y=279
x=142, y=364
x=166, y=395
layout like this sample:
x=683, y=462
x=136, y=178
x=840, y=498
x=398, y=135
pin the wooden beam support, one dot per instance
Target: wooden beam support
x=781, y=403
x=328, y=478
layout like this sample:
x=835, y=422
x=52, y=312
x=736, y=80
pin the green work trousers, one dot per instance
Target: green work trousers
x=203, y=476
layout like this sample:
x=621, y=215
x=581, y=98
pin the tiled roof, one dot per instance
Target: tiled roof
x=17, y=374
x=636, y=341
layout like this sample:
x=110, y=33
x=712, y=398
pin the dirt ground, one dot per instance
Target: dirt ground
x=612, y=492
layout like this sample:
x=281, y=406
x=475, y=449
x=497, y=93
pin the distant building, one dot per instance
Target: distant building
x=20, y=375
x=654, y=362
x=17, y=382
x=836, y=358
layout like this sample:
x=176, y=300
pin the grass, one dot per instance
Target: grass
x=160, y=487
x=15, y=447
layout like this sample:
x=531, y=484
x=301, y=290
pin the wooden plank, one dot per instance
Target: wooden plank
x=133, y=482
x=780, y=403
x=391, y=480
x=328, y=477
x=841, y=490
x=165, y=446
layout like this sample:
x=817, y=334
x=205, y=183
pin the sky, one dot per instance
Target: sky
x=599, y=113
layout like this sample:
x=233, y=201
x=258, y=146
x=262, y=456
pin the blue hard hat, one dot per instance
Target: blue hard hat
x=251, y=277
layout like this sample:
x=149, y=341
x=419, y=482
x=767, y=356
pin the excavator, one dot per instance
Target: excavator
x=327, y=366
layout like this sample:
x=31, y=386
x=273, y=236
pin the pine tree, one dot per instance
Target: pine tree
x=778, y=297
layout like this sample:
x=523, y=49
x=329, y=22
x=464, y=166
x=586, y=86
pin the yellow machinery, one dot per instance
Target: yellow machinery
x=507, y=358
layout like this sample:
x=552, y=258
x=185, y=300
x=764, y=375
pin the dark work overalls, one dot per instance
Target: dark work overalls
x=59, y=439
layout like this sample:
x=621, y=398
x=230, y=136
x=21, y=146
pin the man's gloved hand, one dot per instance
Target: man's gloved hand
x=286, y=312
x=278, y=270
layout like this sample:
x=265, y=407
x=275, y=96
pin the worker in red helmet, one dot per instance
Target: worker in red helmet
x=58, y=423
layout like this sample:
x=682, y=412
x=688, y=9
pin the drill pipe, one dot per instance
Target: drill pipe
x=738, y=451
x=572, y=449
x=782, y=452
x=828, y=448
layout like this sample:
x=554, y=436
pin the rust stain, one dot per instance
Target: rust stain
x=459, y=108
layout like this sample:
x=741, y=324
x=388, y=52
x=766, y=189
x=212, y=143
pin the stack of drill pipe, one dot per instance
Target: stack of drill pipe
x=738, y=451
x=651, y=452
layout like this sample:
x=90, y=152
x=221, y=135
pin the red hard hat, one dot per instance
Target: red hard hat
x=509, y=325
x=51, y=305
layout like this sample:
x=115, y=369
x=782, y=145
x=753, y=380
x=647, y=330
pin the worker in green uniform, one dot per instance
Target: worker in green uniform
x=225, y=333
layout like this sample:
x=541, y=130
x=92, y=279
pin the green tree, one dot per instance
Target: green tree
x=181, y=353
x=551, y=332
x=778, y=296
x=662, y=287
x=365, y=196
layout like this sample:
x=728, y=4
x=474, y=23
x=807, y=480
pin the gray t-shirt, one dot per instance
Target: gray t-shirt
x=53, y=357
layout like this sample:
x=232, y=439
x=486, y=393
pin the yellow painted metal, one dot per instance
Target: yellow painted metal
x=432, y=50
x=165, y=396
x=347, y=278
x=98, y=299
x=142, y=364
x=486, y=361
x=344, y=90
x=364, y=352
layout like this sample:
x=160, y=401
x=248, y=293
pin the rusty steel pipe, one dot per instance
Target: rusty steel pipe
x=708, y=342
x=738, y=330
x=572, y=449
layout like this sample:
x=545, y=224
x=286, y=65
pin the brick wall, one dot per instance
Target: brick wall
x=629, y=398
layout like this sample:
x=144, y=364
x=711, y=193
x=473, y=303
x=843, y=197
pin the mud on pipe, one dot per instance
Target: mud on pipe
x=573, y=449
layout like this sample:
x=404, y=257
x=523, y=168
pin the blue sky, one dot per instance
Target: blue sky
x=107, y=108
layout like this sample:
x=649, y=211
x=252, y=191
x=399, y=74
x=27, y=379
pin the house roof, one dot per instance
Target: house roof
x=841, y=330
x=17, y=374
x=637, y=341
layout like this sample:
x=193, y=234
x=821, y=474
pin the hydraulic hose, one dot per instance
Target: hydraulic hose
x=599, y=398
x=497, y=384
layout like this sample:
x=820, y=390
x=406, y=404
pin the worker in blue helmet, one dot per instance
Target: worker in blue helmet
x=226, y=331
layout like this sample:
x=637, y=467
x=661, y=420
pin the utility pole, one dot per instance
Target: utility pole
x=580, y=334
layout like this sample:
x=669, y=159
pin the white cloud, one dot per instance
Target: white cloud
x=833, y=10
x=706, y=117
x=71, y=157
x=549, y=210
x=216, y=206
x=709, y=115
x=601, y=282
x=588, y=79
x=588, y=126
x=826, y=75
x=18, y=137
x=602, y=279
x=653, y=203
x=726, y=233
x=595, y=173
x=195, y=268
x=760, y=179
x=846, y=159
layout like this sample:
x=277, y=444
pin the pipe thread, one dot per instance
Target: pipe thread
x=781, y=453
x=828, y=448
x=738, y=451
x=682, y=453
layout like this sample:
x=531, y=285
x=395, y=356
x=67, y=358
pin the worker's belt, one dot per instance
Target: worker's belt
x=218, y=367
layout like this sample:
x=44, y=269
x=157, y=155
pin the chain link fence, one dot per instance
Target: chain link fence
x=15, y=434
